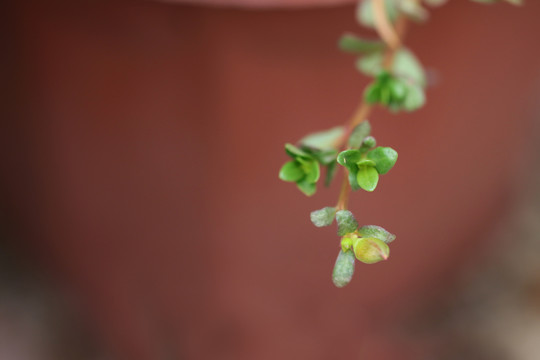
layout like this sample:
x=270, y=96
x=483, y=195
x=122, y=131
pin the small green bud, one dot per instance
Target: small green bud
x=343, y=269
x=369, y=142
x=348, y=241
x=371, y=250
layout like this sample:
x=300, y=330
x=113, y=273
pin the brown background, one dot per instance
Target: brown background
x=142, y=145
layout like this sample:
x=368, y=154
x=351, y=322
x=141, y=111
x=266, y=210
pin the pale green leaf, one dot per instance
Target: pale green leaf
x=323, y=217
x=344, y=268
x=346, y=222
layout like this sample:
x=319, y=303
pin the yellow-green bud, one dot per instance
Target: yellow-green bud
x=348, y=241
x=370, y=250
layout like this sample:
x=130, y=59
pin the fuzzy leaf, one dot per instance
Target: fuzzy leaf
x=324, y=140
x=405, y=65
x=323, y=217
x=343, y=269
x=374, y=231
x=346, y=222
x=415, y=99
x=408, y=66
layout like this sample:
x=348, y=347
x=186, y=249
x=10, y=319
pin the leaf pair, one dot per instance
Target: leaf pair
x=315, y=149
x=344, y=218
x=368, y=244
x=364, y=169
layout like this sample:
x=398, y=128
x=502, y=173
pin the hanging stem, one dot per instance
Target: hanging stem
x=393, y=38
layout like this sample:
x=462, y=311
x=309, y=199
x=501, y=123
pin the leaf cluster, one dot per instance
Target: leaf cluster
x=364, y=165
x=368, y=244
x=314, y=151
x=401, y=88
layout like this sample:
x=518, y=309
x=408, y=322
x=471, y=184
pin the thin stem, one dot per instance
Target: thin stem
x=343, y=200
x=364, y=109
x=384, y=26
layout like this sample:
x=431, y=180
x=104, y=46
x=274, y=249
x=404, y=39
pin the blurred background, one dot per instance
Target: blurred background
x=142, y=216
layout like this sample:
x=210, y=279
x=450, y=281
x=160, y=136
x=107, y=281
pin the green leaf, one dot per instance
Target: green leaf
x=371, y=64
x=353, y=44
x=291, y=171
x=415, y=99
x=295, y=152
x=408, y=66
x=331, y=170
x=384, y=157
x=372, y=94
x=352, y=178
x=359, y=133
x=343, y=269
x=371, y=250
x=324, y=140
x=374, y=231
x=323, y=217
x=325, y=157
x=405, y=65
x=312, y=170
x=349, y=157
x=346, y=222
x=365, y=162
x=398, y=90
x=307, y=188
x=367, y=177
